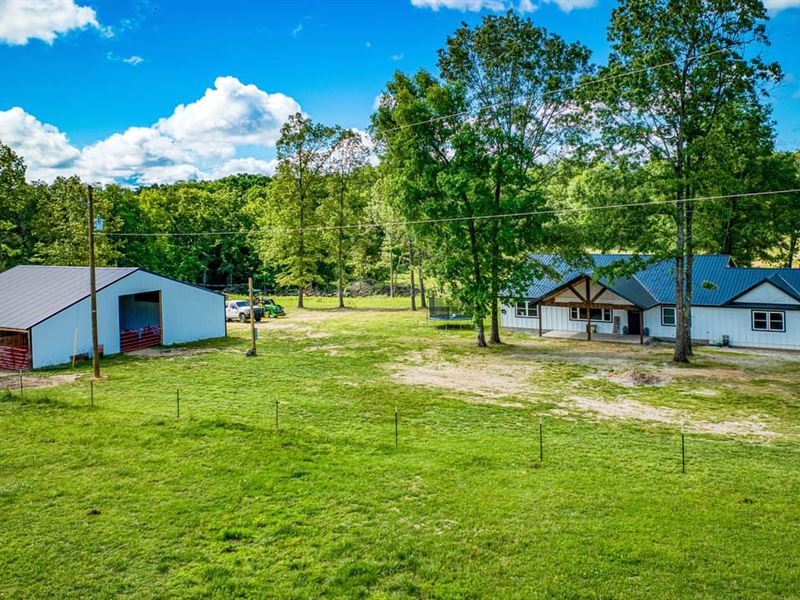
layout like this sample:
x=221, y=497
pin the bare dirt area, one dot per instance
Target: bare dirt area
x=531, y=373
x=625, y=408
x=480, y=376
x=10, y=381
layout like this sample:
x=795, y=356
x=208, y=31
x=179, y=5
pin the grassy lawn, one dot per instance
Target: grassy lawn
x=123, y=498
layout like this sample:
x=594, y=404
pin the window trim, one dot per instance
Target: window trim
x=601, y=320
x=530, y=306
x=674, y=310
x=768, y=314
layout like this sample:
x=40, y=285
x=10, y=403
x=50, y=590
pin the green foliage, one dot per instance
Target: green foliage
x=296, y=192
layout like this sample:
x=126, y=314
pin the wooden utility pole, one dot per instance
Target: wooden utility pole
x=252, y=318
x=93, y=288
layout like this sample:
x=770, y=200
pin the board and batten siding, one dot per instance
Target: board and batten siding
x=188, y=314
x=710, y=323
x=557, y=318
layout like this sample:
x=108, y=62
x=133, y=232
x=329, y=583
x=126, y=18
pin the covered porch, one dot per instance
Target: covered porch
x=591, y=310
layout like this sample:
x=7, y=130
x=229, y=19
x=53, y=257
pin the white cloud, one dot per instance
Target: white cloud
x=202, y=139
x=231, y=113
x=570, y=5
x=779, y=5
x=24, y=20
x=396, y=57
x=131, y=60
x=44, y=147
x=523, y=6
x=246, y=165
x=296, y=31
x=462, y=5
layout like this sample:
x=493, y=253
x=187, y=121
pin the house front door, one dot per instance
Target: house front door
x=634, y=323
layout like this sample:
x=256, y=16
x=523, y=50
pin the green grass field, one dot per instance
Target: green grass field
x=124, y=498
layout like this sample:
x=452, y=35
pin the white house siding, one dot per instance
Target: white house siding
x=767, y=293
x=188, y=314
x=557, y=318
x=711, y=323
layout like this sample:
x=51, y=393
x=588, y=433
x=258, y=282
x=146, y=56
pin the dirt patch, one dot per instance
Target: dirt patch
x=481, y=378
x=637, y=377
x=625, y=408
x=10, y=381
x=170, y=352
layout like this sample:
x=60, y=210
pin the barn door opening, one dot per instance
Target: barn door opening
x=139, y=321
x=15, y=351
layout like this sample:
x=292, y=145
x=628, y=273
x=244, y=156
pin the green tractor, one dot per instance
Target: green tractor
x=271, y=309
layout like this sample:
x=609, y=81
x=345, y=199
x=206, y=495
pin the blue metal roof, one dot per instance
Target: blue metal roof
x=715, y=280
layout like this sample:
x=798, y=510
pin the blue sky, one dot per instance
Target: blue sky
x=95, y=86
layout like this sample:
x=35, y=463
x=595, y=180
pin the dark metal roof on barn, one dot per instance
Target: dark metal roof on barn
x=716, y=282
x=31, y=294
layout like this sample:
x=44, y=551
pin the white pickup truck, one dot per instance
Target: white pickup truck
x=240, y=309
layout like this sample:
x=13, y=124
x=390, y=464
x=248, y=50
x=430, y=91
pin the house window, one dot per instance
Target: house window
x=768, y=320
x=598, y=314
x=527, y=308
x=668, y=316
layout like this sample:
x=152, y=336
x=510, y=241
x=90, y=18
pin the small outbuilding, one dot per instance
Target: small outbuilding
x=45, y=313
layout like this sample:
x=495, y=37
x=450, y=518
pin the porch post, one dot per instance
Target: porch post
x=641, y=326
x=588, y=310
x=539, y=312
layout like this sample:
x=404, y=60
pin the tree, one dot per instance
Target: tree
x=517, y=79
x=344, y=206
x=784, y=168
x=672, y=112
x=304, y=150
x=432, y=166
x=61, y=229
x=16, y=210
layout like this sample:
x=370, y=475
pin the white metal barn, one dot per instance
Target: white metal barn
x=752, y=307
x=45, y=313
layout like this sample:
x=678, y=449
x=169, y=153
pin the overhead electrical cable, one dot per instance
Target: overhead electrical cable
x=525, y=214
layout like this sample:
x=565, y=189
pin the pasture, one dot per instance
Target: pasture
x=126, y=498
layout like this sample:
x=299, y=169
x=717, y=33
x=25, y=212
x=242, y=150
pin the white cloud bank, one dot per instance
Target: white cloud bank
x=199, y=140
x=24, y=20
x=523, y=6
x=779, y=5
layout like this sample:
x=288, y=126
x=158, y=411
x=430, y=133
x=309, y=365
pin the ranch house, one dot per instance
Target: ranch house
x=45, y=313
x=750, y=307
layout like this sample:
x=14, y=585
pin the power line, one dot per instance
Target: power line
x=577, y=85
x=533, y=213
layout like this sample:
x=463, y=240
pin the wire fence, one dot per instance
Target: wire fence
x=549, y=439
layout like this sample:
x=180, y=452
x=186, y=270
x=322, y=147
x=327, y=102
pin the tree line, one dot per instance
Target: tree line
x=514, y=121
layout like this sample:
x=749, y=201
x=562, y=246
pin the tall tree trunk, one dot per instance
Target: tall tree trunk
x=423, y=300
x=340, y=249
x=476, y=268
x=792, y=249
x=411, y=271
x=301, y=255
x=494, y=336
x=680, y=355
x=730, y=225
x=689, y=268
x=391, y=266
